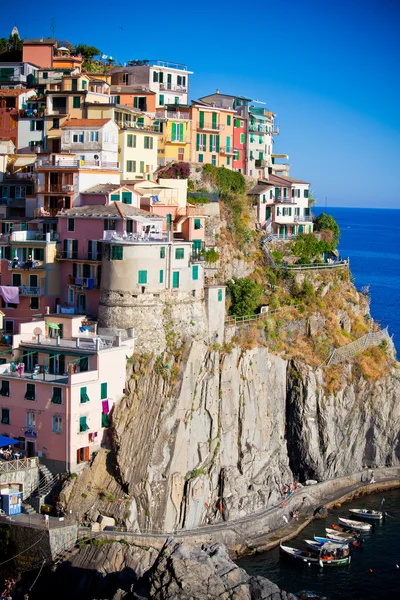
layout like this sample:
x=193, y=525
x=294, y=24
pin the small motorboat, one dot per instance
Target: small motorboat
x=364, y=513
x=355, y=525
x=338, y=536
x=324, y=540
x=328, y=554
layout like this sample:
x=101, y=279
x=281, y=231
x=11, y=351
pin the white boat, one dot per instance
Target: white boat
x=355, y=525
x=376, y=515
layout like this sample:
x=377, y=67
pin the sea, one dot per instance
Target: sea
x=370, y=238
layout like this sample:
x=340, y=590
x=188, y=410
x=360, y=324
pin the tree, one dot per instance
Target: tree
x=15, y=43
x=245, y=296
x=307, y=247
x=87, y=52
x=324, y=221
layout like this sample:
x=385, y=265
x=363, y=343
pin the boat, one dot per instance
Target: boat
x=309, y=595
x=355, y=525
x=342, y=534
x=327, y=555
x=324, y=540
x=338, y=536
x=314, y=544
x=364, y=513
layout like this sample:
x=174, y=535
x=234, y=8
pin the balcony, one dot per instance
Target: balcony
x=67, y=255
x=135, y=238
x=90, y=283
x=56, y=188
x=227, y=150
x=210, y=127
x=170, y=87
x=19, y=265
x=61, y=163
x=169, y=139
x=34, y=236
x=166, y=64
x=19, y=175
x=260, y=163
x=31, y=113
x=171, y=114
x=30, y=291
x=138, y=126
x=304, y=219
x=285, y=199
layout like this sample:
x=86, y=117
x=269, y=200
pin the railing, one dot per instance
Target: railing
x=185, y=140
x=30, y=291
x=19, y=175
x=257, y=129
x=170, y=114
x=56, y=188
x=167, y=64
x=304, y=218
x=226, y=150
x=19, y=464
x=315, y=266
x=133, y=125
x=265, y=315
x=31, y=113
x=44, y=212
x=67, y=254
x=114, y=236
x=287, y=199
x=39, y=236
x=173, y=88
x=345, y=353
x=211, y=126
x=25, y=265
x=75, y=164
x=86, y=282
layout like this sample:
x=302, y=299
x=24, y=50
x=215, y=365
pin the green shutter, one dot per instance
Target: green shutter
x=201, y=158
x=175, y=279
x=115, y=197
x=130, y=141
x=228, y=119
x=181, y=127
x=83, y=426
x=217, y=143
x=214, y=120
x=197, y=223
x=151, y=143
x=201, y=121
x=141, y=166
x=161, y=99
x=228, y=143
x=84, y=396
x=142, y=277
x=76, y=102
x=105, y=420
x=56, y=397
x=197, y=142
x=219, y=295
x=197, y=244
x=237, y=123
x=211, y=143
x=161, y=280
x=103, y=391
x=162, y=252
x=127, y=197
x=117, y=253
x=195, y=272
x=179, y=253
x=298, y=193
x=173, y=128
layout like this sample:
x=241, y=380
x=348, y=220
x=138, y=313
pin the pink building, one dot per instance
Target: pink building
x=59, y=386
x=81, y=232
x=239, y=144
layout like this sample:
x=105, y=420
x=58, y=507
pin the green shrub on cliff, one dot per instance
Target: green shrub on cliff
x=224, y=179
x=326, y=222
x=307, y=247
x=244, y=295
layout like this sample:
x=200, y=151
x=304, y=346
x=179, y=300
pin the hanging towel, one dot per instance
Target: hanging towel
x=90, y=283
x=10, y=294
x=105, y=407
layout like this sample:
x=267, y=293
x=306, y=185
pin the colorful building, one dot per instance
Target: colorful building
x=212, y=134
x=13, y=124
x=142, y=99
x=39, y=52
x=92, y=140
x=138, y=146
x=176, y=127
x=59, y=404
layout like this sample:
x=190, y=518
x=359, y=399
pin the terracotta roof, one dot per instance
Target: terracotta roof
x=111, y=211
x=103, y=188
x=292, y=180
x=260, y=188
x=73, y=123
x=14, y=92
x=44, y=41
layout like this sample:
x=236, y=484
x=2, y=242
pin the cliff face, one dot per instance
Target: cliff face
x=218, y=437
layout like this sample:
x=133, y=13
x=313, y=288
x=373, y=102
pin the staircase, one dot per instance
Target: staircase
x=28, y=509
x=43, y=493
x=267, y=252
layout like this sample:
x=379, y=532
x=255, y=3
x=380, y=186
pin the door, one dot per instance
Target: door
x=267, y=213
x=81, y=305
x=30, y=449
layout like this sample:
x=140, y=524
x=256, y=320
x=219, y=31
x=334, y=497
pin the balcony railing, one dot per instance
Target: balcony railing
x=61, y=163
x=20, y=175
x=210, y=126
x=171, y=114
x=91, y=283
x=174, y=88
x=304, y=218
x=138, y=126
x=31, y=113
x=170, y=139
x=34, y=236
x=30, y=291
x=287, y=199
x=114, y=236
x=9, y=466
x=67, y=255
x=56, y=188
x=18, y=265
x=227, y=150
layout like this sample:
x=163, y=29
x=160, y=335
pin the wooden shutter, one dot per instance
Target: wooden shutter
x=214, y=120
x=173, y=128
x=103, y=391
x=211, y=142
x=201, y=120
x=181, y=129
x=87, y=454
x=197, y=141
x=217, y=136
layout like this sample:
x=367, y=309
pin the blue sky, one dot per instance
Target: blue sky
x=328, y=69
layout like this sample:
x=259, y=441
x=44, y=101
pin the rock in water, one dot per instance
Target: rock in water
x=206, y=572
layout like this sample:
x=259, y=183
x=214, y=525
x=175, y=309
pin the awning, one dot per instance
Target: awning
x=7, y=441
x=52, y=325
x=23, y=161
x=261, y=117
x=280, y=156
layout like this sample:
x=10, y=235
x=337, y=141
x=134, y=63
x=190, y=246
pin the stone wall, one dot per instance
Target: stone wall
x=28, y=477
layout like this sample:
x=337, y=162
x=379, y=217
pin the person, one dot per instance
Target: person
x=296, y=515
x=15, y=262
x=29, y=263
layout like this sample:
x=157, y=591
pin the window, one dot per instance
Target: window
x=237, y=123
x=37, y=125
x=83, y=84
x=83, y=426
x=30, y=419
x=175, y=279
x=45, y=75
x=306, y=193
x=155, y=76
x=131, y=141
x=200, y=158
x=142, y=277
x=242, y=138
x=105, y=136
x=84, y=397
x=5, y=416
x=148, y=142
x=76, y=102
x=117, y=253
x=70, y=295
x=214, y=160
x=93, y=136
x=5, y=388
x=56, y=123
x=161, y=279
x=127, y=199
x=16, y=279
x=109, y=224
x=105, y=420
x=30, y=393
x=34, y=303
x=57, y=396
x=131, y=166
x=228, y=119
x=103, y=391
x=78, y=138
x=237, y=155
x=228, y=160
x=195, y=272
x=141, y=170
x=57, y=424
x=197, y=223
x=162, y=252
x=179, y=253
x=220, y=295
x=161, y=100
x=71, y=224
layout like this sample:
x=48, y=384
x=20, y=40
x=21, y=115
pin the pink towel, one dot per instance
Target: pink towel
x=10, y=294
x=105, y=407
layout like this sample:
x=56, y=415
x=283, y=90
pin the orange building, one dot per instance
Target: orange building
x=212, y=134
x=129, y=95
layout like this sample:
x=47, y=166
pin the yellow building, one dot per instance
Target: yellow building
x=137, y=151
x=175, y=142
x=212, y=134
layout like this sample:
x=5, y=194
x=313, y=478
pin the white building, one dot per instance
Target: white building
x=91, y=140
